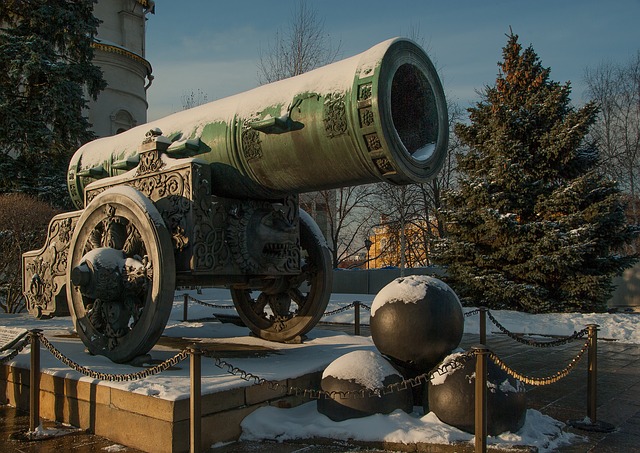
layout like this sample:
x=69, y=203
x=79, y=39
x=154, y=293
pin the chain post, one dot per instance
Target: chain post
x=481, y=353
x=591, y=423
x=195, y=404
x=592, y=369
x=185, y=307
x=356, y=323
x=483, y=325
x=34, y=381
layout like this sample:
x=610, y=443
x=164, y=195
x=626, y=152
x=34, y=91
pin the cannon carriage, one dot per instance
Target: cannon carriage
x=209, y=197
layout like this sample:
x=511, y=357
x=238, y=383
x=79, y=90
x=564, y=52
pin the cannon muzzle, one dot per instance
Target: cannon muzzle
x=378, y=116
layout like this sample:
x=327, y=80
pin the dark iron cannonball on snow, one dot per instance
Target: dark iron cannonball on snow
x=452, y=398
x=361, y=371
x=416, y=321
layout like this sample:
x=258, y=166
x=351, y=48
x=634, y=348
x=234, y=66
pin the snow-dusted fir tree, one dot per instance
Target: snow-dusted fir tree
x=532, y=226
x=45, y=66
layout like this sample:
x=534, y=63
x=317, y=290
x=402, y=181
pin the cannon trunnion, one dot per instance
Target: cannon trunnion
x=209, y=197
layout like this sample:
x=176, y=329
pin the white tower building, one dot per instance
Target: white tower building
x=119, y=51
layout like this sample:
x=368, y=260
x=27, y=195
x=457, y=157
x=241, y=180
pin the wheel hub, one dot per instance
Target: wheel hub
x=113, y=287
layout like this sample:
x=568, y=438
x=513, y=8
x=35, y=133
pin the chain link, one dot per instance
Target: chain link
x=537, y=344
x=179, y=357
x=536, y=381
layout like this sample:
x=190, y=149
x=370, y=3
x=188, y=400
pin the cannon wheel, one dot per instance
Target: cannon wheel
x=123, y=219
x=285, y=311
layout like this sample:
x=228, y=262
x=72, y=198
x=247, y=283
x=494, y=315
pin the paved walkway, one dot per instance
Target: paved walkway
x=618, y=402
x=13, y=422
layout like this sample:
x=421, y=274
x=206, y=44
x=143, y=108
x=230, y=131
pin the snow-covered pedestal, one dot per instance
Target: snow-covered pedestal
x=152, y=414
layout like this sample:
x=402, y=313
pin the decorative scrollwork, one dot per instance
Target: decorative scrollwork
x=384, y=165
x=366, y=117
x=373, y=142
x=365, y=91
x=44, y=270
x=172, y=191
x=251, y=144
x=335, y=115
x=210, y=248
x=150, y=162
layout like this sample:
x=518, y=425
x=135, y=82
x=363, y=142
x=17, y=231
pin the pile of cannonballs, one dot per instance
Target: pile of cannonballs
x=417, y=325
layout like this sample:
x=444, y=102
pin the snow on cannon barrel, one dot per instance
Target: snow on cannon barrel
x=209, y=197
x=380, y=115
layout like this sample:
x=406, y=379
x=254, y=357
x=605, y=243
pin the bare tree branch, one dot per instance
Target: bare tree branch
x=301, y=47
x=616, y=89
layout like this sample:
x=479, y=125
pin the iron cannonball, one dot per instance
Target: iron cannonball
x=359, y=373
x=451, y=397
x=416, y=321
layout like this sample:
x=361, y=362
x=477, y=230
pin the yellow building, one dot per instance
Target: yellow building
x=387, y=243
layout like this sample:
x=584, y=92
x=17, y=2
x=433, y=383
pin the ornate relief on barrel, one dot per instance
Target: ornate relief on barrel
x=251, y=144
x=335, y=115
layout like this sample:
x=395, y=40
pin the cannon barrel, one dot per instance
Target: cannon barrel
x=378, y=116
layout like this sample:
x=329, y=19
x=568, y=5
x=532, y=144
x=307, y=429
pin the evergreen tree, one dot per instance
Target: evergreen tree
x=46, y=68
x=532, y=225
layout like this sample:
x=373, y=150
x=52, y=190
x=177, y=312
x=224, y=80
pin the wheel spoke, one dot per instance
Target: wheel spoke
x=259, y=305
x=299, y=298
x=285, y=324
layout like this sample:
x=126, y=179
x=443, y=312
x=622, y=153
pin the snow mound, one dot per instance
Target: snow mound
x=408, y=290
x=305, y=422
x=367, y=368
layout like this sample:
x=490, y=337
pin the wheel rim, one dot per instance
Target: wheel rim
x=286, y=310
x=121, y=275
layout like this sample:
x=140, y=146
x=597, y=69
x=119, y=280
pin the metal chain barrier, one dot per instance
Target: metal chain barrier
x=232, y=307
x=544, y=380
x=208, y=304
x=340, y=310
x=472, y=312
x=537, y=344
x=445, y=368
x=17, y=350
x=35, y=338
x=179, y=357
x=347, y=307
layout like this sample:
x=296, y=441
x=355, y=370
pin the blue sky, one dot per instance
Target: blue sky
x=214, y=46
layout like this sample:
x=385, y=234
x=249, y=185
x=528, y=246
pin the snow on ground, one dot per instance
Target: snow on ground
x=290, y=360
x=305, y=422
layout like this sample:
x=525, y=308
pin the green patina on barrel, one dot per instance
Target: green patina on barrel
x=378, y=116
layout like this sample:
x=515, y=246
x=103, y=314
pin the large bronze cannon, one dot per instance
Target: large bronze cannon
x=209, y=197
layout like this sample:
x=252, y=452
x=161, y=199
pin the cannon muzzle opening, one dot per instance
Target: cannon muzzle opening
x=413, y=113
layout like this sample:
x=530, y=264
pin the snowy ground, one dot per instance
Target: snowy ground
x=322, y=348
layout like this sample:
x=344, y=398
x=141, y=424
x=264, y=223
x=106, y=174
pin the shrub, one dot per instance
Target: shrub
x=23, y=227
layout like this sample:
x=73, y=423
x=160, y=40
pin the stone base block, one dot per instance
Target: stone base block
x=144, y=422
